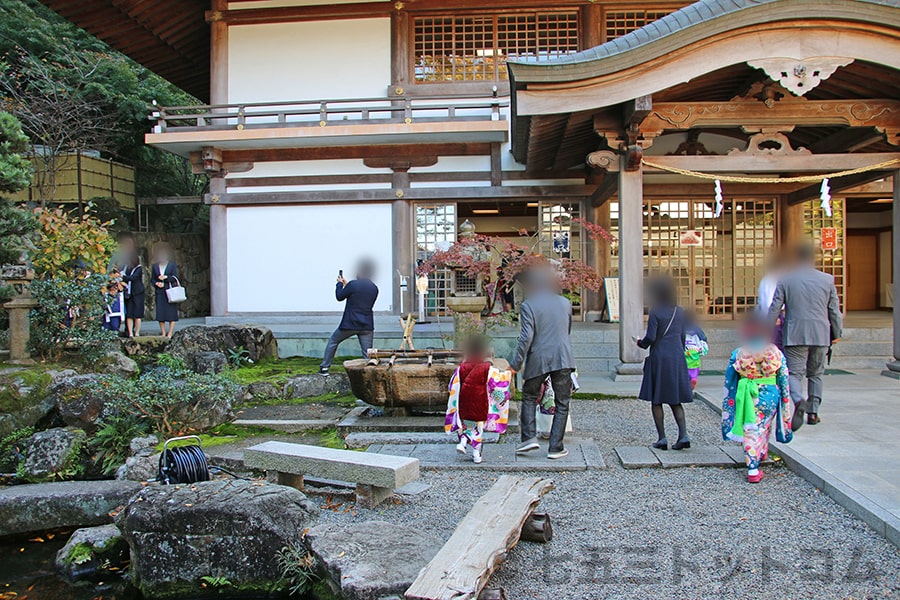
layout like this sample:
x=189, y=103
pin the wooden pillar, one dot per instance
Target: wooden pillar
x=218, y=223
x=218, y=56
x=218, y=250
x=893, y=367
x=631, y=266
x=400, y=58
x=401, y=219
x=791, y=223
x=596, y=253
x=591, y=15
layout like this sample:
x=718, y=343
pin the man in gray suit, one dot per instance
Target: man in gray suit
x=545, y=348
x=812, y=323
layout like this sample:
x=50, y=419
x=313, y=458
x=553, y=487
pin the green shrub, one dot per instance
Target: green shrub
x=111, y=444
x=172, y=402
x=69, y=316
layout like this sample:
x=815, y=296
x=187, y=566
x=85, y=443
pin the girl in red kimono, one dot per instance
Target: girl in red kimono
x=473, y=395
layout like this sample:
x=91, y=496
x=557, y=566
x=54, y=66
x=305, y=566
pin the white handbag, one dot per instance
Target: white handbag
x=176, y=294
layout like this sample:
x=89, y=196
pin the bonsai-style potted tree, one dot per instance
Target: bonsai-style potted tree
x=489, y=262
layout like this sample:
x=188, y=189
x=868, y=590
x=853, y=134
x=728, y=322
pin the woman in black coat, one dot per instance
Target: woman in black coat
x=163, y=275
x=135, y=294
x=666, y=379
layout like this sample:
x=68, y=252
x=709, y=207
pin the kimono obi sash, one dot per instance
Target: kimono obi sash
x=745, y=401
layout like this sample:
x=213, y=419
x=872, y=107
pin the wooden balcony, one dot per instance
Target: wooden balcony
x=317, y=123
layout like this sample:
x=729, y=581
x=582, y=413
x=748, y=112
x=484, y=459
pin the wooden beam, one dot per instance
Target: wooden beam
x=846, y=140
x=784, y=114
x=426, y=176
x=285, y=14
x=385, y=195
x=842, y=183
x=370, y=151
x=168, y=200
x=607, y=188
x=635, y=111
x=496, y=166
x=481, y=541
x=744, y=163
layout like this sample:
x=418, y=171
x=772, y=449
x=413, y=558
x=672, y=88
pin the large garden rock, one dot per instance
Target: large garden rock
x=91, y=552
x=145, y=345
x=229, y=529
x=257, y=341
x=43, y=506
x=77, y=403
x=207, y=362
x=306, y=386
x=116, y=363
x=24, y=399
x=261, y=391
x=139, y=468
x=53, y=453
x=371, y=560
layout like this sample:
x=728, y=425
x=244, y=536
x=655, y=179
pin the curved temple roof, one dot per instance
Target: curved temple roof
x=694, y=23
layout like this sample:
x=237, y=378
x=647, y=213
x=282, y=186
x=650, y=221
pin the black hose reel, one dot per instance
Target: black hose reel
x=183, y=464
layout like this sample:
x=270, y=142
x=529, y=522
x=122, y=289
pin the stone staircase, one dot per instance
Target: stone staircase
x=596, y=345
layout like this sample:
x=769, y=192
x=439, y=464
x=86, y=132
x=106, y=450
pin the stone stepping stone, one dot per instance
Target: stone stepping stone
x=583, y=455
x=288, y=425
x=363, y=439
x=636, y=457
x=641, y=457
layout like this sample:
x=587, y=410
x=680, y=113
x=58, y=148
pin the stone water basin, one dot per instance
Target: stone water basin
x=406, y=386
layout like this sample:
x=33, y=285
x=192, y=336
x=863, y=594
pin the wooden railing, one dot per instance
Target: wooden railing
x=321, y=113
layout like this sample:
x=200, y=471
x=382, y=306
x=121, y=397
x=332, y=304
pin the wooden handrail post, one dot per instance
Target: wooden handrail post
x=495, y=106
x=241, y=120
x=323, y=113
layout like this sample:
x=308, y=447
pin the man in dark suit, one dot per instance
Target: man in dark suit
x=812, y=322
x=359, y=295
x=545, y=349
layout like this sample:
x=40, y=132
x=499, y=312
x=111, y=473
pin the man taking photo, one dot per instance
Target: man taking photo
x=360, y=296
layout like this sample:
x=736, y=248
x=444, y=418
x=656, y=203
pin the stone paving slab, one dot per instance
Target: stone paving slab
x=583, y=455
x=359, y=420
x=736, y=452
x=636, y=457
x=363, y=439
x=702, y=456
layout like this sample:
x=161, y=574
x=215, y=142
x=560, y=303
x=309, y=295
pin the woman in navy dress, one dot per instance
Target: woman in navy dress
x=666, y=379
x=133, y=277
x=163, y=275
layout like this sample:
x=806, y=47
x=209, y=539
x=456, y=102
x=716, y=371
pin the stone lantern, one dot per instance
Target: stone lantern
x=19, y=277
x=466, y=293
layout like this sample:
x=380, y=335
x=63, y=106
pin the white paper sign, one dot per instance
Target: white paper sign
x=611, y=290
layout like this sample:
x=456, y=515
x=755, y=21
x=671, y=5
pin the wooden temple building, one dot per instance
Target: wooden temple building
x=336, y=130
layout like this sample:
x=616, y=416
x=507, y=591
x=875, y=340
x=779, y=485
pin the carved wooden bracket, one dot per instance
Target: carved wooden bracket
x=209, y=161
x=606, y=160
x=769, y=144
x=798, y=76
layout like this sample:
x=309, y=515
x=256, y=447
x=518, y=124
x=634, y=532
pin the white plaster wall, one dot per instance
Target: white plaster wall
x=286, y=258
x=309, y=61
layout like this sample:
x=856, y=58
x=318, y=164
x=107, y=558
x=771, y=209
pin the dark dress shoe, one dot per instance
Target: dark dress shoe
x=681, y=444
x=662, y=444
x=812, y=419
x=797, y=419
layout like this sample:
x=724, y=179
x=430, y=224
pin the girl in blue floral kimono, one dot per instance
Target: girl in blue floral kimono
x=757, y=397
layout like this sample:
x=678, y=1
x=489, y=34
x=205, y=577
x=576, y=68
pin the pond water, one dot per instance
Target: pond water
x=28, y=572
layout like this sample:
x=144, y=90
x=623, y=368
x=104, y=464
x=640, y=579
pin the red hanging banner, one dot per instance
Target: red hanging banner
x=829, y=238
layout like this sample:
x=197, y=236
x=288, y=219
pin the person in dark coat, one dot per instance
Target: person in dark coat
x=666, y=379
x=359, y=320
x=135, y=294
x=164, y=274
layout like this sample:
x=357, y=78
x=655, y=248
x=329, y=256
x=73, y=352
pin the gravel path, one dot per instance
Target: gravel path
x=691, y=533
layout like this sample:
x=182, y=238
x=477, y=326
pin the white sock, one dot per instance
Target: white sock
x=752, y=471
